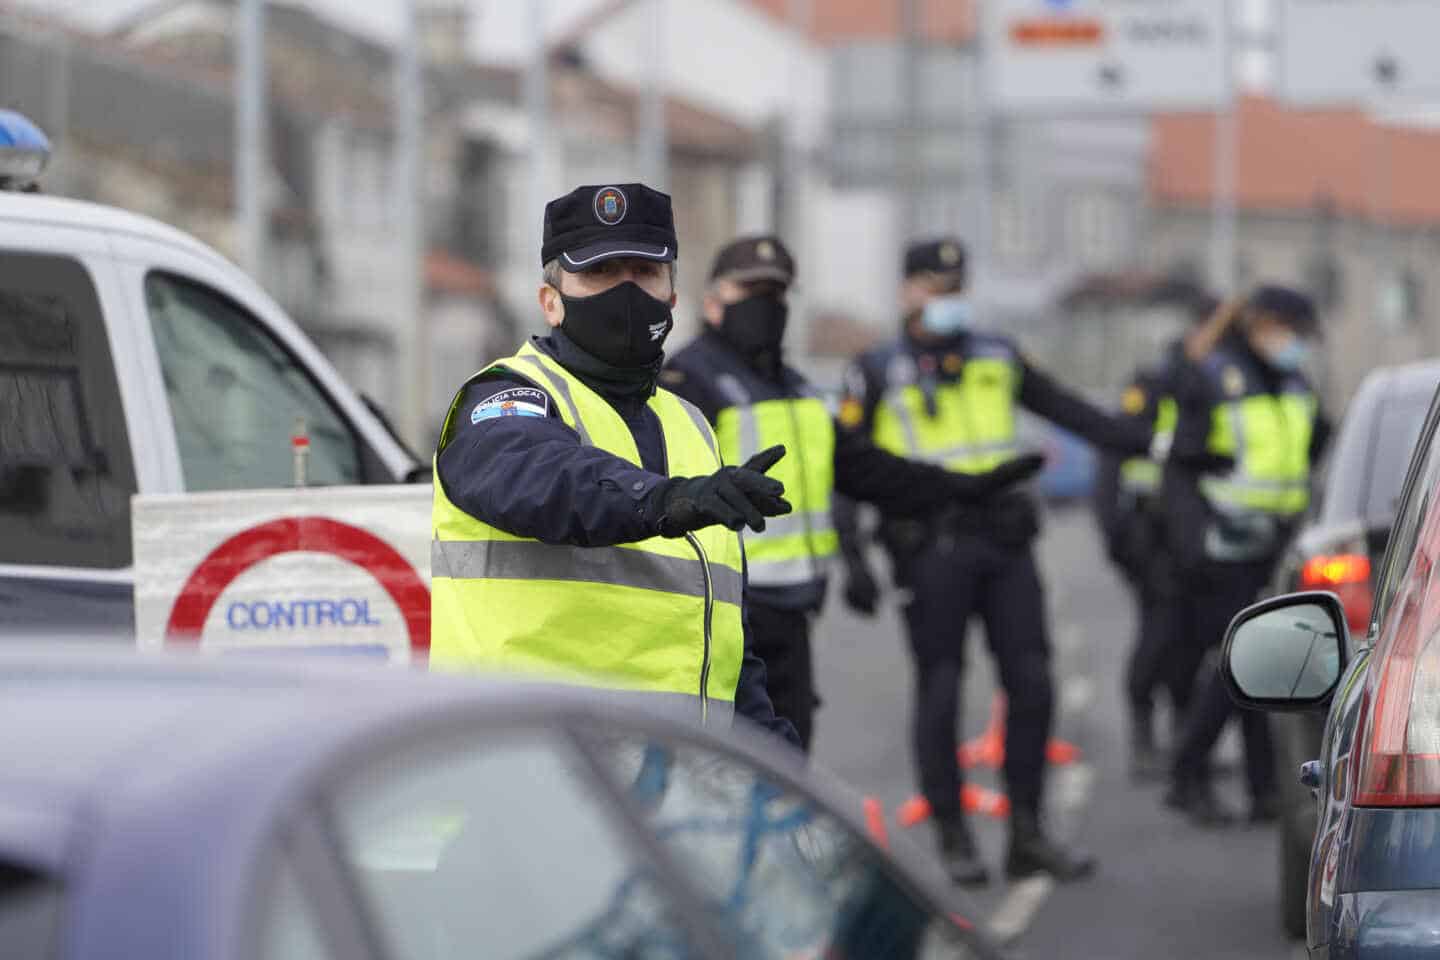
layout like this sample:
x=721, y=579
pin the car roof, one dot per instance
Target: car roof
x=1418, y=377
x=83, y=215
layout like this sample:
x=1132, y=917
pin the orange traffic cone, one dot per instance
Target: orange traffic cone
x=988, y=749
x=973, y=799
x=875, y=822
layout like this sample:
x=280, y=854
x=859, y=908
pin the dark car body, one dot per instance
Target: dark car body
x=1339, y=548
x=166, y=807
x=1374, y=876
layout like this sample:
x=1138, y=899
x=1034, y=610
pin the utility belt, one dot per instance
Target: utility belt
x=1009, y=520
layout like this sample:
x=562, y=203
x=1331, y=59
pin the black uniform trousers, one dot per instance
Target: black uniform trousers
x=953, y=578
x=1155, y=663
x=1217, y=593
x=781, y=638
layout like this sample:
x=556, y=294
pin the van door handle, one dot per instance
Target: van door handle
x=1311, y=774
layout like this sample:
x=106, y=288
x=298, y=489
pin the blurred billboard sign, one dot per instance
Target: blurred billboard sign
x=1343, y=52
x=1125, y=56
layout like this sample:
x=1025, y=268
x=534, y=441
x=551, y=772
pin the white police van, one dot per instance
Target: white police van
x=135, y=359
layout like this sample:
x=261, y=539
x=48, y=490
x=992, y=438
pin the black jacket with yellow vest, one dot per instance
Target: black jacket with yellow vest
x=754, y=405
x=1269, y=425
x=955, y=402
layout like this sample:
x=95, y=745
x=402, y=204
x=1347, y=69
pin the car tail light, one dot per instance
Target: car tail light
x=1400, y=760
x=1348, y=576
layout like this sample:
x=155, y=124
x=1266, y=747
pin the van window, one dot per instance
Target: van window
x=236, y=396
x=66, y=473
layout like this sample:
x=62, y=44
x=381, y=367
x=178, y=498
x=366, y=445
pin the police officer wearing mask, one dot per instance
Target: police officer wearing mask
x=735, y=373
x=1127, y=505
x=946, y=393
x=1237, y=480
x=585, y=528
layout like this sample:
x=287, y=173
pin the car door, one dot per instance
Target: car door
x=1400, y=599
x=73, y=443
x=580, y=836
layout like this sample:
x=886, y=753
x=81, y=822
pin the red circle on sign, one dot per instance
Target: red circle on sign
x=294, y=535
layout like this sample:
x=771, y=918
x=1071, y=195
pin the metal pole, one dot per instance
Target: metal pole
x=537, y=109
x=654, y=142
x=910, y=173
x=409, y=199
x=250, y=139
x=59, y=112
x=1224, y=174
x=984, y=144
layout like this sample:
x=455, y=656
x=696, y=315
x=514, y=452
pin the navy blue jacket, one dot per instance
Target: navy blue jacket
x=527, y=473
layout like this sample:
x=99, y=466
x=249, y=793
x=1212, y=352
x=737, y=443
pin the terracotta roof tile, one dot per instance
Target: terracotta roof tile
x=944, y=21
x=1293, y=160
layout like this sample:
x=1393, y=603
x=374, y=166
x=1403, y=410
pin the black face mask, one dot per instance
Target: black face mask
x=624, y=326
x=755, y=325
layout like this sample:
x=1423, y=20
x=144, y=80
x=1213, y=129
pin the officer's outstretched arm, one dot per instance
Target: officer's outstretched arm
x=528, y=474
x=1042, y=395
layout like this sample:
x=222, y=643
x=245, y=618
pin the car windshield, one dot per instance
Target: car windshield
x=1396, y=429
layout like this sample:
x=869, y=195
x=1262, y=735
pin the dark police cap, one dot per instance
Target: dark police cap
x=592, y=224
x=944, y=255
x=754, y=258
x=1294, y=307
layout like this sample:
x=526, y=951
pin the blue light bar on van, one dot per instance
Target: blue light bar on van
x=24, y=150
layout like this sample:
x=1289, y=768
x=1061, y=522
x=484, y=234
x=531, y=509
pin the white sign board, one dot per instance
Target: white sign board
x=1346, y=52
x=1134, y=56
x=337, y=570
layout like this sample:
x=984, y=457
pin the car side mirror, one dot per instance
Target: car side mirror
x=1286, y=653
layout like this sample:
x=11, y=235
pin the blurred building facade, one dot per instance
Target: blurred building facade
x=1336, y=202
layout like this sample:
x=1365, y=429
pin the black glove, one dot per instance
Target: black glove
x=733, y=497
x=862, y=593
x=979, y=486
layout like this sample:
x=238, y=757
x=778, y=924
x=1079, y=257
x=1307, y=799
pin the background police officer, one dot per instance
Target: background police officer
x=1127, y=505
x=551, y=459
x=1245, y=405
x=947, y=393
x=734, y=372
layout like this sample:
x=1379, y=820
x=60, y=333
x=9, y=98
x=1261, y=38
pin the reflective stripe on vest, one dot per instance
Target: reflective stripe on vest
x=1269, y=437
x=973, y=427
x=661, y=616
x=1140, y=476
x=792, y=549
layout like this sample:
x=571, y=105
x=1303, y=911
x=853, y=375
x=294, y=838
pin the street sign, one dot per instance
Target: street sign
x=1133, y=56
x=336, y=570
x=1346, y=52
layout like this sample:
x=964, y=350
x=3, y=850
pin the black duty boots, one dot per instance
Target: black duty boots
x=1032, y=852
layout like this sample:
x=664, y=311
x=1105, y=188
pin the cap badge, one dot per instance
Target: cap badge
x=610, y=205
x=949, y=255
x=765, y=250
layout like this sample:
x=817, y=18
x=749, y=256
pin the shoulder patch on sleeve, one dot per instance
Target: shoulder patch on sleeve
x=851, y=413
x=1133, y=400
x=512, y=402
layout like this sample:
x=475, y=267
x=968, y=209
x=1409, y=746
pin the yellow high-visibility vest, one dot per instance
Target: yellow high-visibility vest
x=792, y=549
x=661, y=617
x=1140, y=476
x=1268, y=435
x=972, y=428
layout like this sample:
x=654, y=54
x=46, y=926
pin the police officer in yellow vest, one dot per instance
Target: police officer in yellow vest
x=947, y=393
x=1127, y=504
x=1244, y=400
x=735, y=374
x=585, y=528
